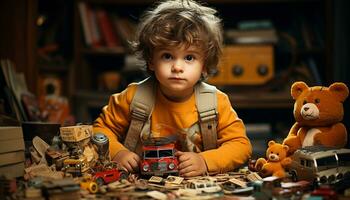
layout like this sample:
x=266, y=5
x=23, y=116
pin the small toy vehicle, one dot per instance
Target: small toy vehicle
x=267, y=187
x=326, y=192
x=320, y=165
x=75, y=166
x=158, y=159
x=203, y=186
x=110, y=175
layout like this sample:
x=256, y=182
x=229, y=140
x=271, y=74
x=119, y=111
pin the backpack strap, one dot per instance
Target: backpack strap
x=206, y=102
x=141, y=108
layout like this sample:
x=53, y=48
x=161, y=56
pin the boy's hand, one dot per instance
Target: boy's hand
x=128, y=160
x=191, y=164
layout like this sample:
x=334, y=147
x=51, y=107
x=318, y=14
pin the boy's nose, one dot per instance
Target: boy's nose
x=177, y=66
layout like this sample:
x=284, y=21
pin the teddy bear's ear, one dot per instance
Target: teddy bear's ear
x=340, y=90
x=298, y=88
x=271, y=143
x=286, y=148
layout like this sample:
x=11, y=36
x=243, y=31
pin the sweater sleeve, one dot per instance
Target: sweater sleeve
x=234, y=147
x=114, y=119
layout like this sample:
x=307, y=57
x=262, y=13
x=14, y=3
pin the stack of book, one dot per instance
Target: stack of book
x=11, y=152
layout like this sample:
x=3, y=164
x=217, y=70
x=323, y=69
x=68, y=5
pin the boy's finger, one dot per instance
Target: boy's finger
x=179, y=153
x=184, y=164
x=134, y=164
x=128, y=167
x=185, y=170
x=137, y=159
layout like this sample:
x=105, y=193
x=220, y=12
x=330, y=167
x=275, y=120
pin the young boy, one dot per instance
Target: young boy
x=180, y=42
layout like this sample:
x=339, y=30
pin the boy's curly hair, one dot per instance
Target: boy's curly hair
x=176, y=22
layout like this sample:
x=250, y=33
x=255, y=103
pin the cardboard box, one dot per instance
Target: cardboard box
x=75, y=133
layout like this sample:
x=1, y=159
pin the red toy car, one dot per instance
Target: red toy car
x=159, y=160
x=109, y=175
x=326, y=192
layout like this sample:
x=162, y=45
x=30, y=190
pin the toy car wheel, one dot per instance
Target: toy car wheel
x=294, y=176
x=99, y=181
x=123, y=175
x=93, y=188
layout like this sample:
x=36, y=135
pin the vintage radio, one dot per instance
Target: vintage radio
x=245, y=65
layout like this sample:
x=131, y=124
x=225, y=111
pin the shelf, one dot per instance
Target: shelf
x=104, y=51
x=253, y=100
x=61, y=68
x=148, y=2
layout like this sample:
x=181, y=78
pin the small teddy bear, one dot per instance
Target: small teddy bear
x=318, y=112
x=277, y=161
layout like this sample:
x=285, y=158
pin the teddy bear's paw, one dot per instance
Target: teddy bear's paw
x=280, y=174
x=259, y=163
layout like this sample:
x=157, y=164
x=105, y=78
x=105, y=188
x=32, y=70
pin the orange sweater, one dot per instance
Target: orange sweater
x=234, y=147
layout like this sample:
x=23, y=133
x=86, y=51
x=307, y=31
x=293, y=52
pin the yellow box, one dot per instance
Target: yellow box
x=245, y=65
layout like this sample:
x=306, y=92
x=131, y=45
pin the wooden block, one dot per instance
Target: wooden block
x=10, y=132
x=11, y=157
x=13, y=170
x=11, y=145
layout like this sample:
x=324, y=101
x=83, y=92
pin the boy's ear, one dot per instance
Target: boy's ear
x=204, y=70
x=150, y=66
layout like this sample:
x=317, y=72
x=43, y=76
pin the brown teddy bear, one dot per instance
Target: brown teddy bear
x=318, y=112
x=277, y=161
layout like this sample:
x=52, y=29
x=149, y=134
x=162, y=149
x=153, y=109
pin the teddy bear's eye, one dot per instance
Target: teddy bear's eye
x=278, y=154
x=305, y=102
x=317, y=100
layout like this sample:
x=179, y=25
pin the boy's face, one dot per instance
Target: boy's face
x=177, y=69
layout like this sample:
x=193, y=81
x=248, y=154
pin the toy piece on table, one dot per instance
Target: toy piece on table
x=265, y=189
x=75, y=166
x=101, y=142
x=66, y=189
x=277, y=160
x=76, y=135
x=320, y=165
x=109, y=176
x=158, y=158
x=318, y=112
x=199, y=186
x=326, y=192
x=56, y=157
x=87, y=183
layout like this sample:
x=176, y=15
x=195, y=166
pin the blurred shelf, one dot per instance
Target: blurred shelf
x=147, y=2
x=54, y=68
x=261, y=100
x=104, y=51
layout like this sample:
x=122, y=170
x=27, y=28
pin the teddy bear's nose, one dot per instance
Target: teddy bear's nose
x=306, y=108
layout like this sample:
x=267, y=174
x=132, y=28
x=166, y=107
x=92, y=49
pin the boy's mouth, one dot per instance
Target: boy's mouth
x=176, y=78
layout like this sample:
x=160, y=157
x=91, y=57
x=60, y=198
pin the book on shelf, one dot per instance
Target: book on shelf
x=87, y=32
x=14, y=88
x=125, y=28
x=107, y=29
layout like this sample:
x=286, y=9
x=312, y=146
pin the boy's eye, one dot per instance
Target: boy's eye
x=166, y=56
x=189, y=58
